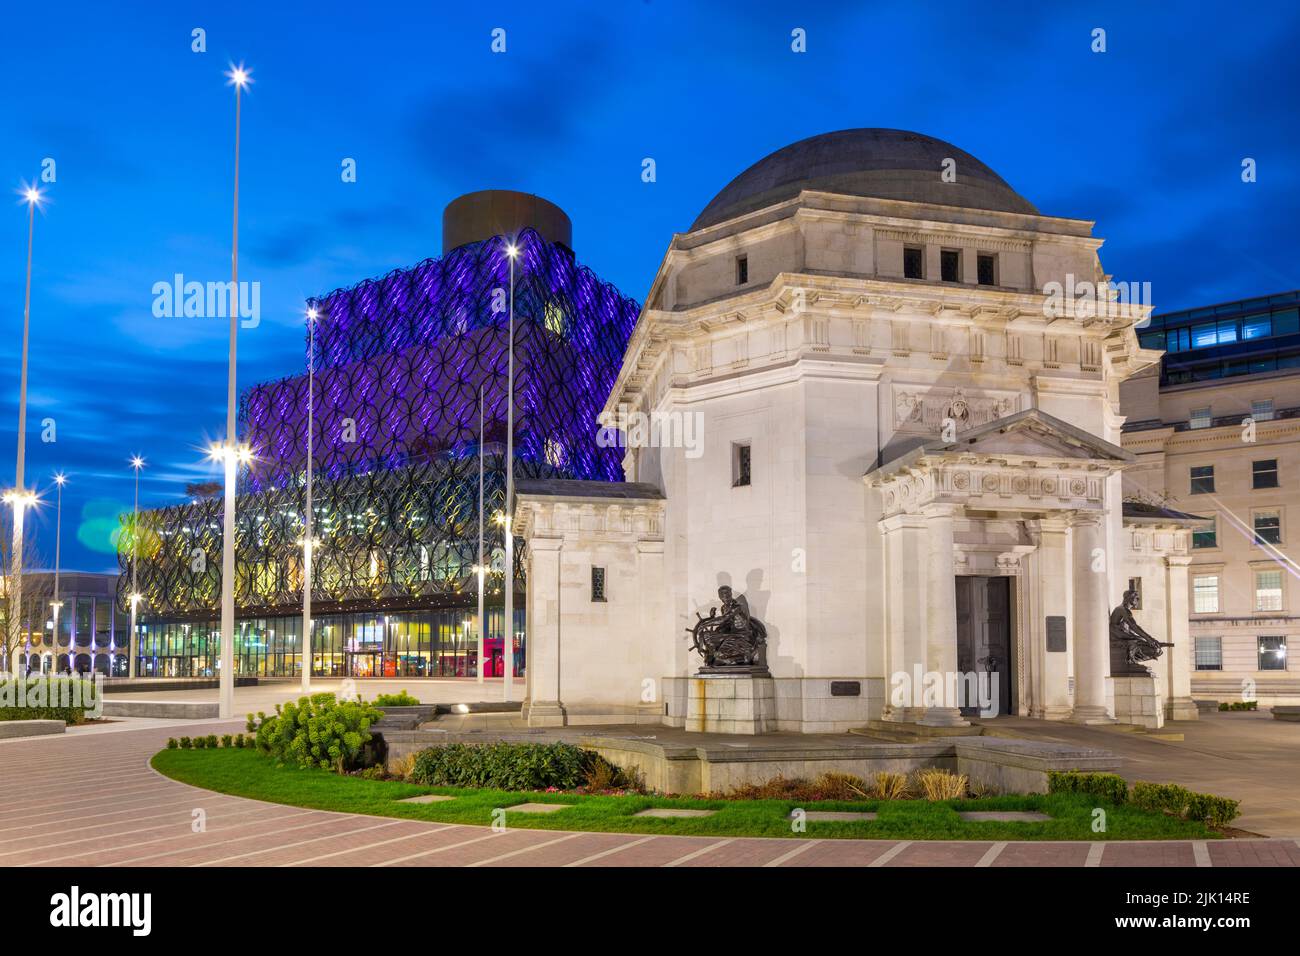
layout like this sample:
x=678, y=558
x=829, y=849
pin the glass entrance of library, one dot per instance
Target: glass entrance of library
x=365, y=664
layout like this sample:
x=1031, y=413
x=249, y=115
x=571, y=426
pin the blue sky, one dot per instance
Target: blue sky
x=1147, y=139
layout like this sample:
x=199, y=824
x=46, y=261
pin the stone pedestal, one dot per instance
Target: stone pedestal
x=1136, y=701
x=728, y=703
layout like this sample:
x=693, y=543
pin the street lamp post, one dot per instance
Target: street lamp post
x=137, y=463
x=308, y=542
x=508, y=625
x=479, y=568
x=238, y=79
x=19, y=498
x=56, y=605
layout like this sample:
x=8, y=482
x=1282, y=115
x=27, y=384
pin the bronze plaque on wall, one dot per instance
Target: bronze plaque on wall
x=1056, y=633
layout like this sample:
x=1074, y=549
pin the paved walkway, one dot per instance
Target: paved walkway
x=89, y=798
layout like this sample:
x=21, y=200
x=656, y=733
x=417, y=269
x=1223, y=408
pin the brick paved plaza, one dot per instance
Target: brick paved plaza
x=89, y=798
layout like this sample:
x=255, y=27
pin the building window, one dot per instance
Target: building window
x=1264, y=473
x=1205, y=594
x=1206, y=537
x=1268, y=590
x=987, y=268
x=1203, y=480
x=950, y=265
x=1200, y=417
x=1209, y=654
x=740, y=470
x=1272, y=653
x=1268, y=527
x=913, y=262
x=1262, y=411
x=1135, y=585
x=742, y=270
x=597, y=584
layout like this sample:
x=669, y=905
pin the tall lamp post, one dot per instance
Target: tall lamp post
x=20, y=498
x=479, y=568
x=56, y=605
x=308, y=541
x=131, y=644
x=239, y=79
x=508, y=625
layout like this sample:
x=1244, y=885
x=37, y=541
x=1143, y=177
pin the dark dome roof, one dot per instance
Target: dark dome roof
x=880, y=163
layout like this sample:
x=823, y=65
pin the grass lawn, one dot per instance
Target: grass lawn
x=247, y=773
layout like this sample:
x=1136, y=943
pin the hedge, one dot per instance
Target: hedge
x=1108, y=786
x=41, y=698
x=503, y=766
x=1187, y=804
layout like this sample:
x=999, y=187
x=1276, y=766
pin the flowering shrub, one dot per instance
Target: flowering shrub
x=318, y=731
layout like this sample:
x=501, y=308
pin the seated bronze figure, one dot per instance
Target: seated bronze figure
x=1130, y=643
x=730, y=638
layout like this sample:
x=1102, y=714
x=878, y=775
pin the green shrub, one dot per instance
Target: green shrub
x=250, y=725
x=200, y=743
x=402, y=699
x=238, y=741
x=504, y=766
x=212, y=741
x=46, y=698
x=319, y=731
x=1180, y=802
x=186, y=743
x=1239, y=705
x=172, y=743
x=1109, y=786
x=227, y=740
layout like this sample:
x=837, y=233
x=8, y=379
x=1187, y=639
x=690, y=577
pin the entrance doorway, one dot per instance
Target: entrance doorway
x=984, y=625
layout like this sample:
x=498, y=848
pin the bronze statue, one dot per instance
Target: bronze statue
x=1130, y=644
x=732, y=638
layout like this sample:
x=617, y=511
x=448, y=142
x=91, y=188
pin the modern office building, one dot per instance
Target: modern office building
x=399, y=364
x=89, y=634
x=1216, y=428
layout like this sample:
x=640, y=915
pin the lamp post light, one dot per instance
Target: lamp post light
x=56, y=605
x=19, y=498
x=479, y=569
x=137, y=463
x=239, y=78
x=308, y=542
x=507, y=628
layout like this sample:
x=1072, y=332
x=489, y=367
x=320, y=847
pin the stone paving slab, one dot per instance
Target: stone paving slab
x=671, y=813
x=427, y=798
x=833, y=816
x=1004, y=816
x=92, y=800
x=537, y=808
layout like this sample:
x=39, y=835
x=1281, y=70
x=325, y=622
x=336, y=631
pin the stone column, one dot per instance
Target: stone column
x=941, y=617
x=543, y=704
x=906, y=550
x=1180, y=705
x=1053, y=564
x=1091, y=619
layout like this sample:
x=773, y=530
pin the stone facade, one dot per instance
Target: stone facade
x=1233, y=615
x=866, y=437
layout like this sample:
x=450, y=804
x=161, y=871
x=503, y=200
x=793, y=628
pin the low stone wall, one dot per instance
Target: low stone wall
x=170, y=709
x=30, y=728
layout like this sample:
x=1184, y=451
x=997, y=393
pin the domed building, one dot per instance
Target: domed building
x=874, y=392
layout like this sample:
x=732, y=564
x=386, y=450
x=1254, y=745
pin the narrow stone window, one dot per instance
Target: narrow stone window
x=988, y=270
x=950, y=265
x=913, y=262
x=742, y=270
x=740, y=465
x=597, y=583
